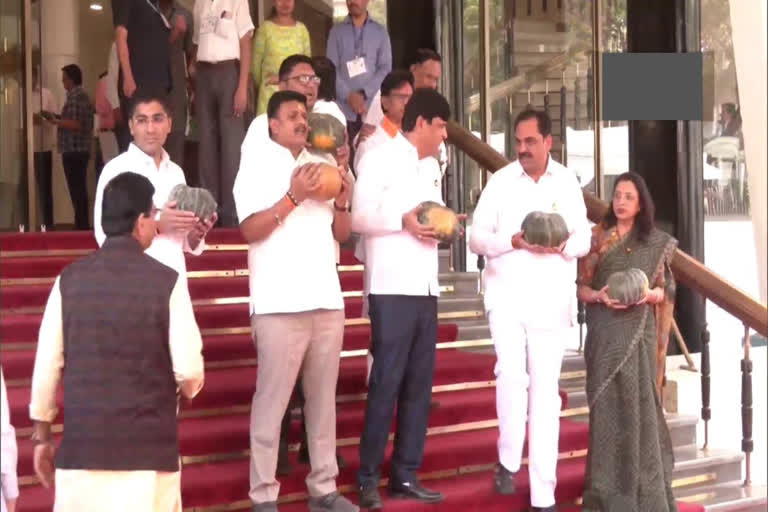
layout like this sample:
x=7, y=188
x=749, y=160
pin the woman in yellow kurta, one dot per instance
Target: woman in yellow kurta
x=279, y=37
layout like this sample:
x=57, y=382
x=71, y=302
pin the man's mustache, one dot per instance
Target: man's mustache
x=526, y=155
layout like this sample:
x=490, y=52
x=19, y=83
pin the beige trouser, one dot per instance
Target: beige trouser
x=117, y=491
x=309, y=342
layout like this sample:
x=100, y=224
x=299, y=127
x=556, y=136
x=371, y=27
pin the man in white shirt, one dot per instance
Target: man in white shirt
x=297, y=310
x=529, y=295
x=222, y=37
x=426, y=68
x=179, y=231
x=9, y=483
x=296, y=73
x=112, y=82
x=45, y=139
x=401, y=259
x=396, y=90
x=130, y=348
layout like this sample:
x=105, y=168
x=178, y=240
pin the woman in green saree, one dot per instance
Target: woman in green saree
x=629, y=464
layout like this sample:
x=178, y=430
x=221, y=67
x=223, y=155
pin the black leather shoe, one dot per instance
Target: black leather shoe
x=414, y=491
x=370, y=498
x=503, y=480
x=544, y=509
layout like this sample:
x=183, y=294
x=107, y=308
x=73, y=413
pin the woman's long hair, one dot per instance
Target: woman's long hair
x=644, y=220
x=326, y=70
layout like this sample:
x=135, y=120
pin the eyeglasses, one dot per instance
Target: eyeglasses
x=305, y=79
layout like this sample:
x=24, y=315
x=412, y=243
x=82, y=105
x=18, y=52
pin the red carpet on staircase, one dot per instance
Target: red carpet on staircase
x=213, y=428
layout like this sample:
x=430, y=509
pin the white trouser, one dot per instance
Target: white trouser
x=108, y=145
x=527, y=373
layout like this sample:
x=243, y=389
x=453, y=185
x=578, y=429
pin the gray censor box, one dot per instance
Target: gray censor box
x=656, y=87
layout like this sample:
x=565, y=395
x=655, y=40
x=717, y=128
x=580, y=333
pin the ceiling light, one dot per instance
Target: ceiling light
x=96, y=6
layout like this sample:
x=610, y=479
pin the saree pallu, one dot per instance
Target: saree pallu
x=630, y=460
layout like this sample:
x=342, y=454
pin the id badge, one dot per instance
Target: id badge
x=208, y=25
x=356, y=67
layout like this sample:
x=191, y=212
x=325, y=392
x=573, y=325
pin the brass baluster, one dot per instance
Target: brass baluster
x=576, y=98
x=747, y=445
x=480, y=268
x=563, y=123
x=706, y=412
x=582, y=318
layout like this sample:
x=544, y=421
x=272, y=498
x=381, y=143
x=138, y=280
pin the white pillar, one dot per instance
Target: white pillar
x=748, y=25
x=60, y=45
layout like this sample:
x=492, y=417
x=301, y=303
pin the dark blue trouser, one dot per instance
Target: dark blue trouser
x=403, y=338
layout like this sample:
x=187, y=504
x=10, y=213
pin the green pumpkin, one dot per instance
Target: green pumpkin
x=442, y=219
x=544, y=229
x=628, y=286
x=326, y=133
x=193, y=199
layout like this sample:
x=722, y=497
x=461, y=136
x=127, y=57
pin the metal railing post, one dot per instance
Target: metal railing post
x=747, y=445
x=706, y=412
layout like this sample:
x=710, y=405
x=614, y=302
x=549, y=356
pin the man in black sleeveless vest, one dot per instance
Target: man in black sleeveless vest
x=121, y=325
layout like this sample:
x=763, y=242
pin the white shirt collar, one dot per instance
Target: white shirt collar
x=282, y=150
x=552, y=167
x=140, y=155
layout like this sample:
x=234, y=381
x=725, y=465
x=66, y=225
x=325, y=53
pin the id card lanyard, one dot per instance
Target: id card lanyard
x=359, y=49
x=154, y=8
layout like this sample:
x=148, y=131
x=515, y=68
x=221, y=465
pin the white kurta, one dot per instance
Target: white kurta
x=168, y=249
x=97, y=490
x=529, y=299
x=9, y=485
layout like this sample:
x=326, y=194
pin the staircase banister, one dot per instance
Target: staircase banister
x=686, y=269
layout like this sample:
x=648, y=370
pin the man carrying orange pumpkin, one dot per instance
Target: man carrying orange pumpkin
x=297, y=74
x=529, y=296
x=297, y=310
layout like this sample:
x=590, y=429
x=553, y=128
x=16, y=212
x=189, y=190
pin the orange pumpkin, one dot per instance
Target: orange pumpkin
x=330, y=183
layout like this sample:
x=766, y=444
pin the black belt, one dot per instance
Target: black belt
x=221, y=63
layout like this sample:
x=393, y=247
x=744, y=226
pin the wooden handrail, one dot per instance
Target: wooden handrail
x=686, y=269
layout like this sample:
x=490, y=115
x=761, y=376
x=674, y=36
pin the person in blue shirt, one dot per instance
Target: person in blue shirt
x=360, y=49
